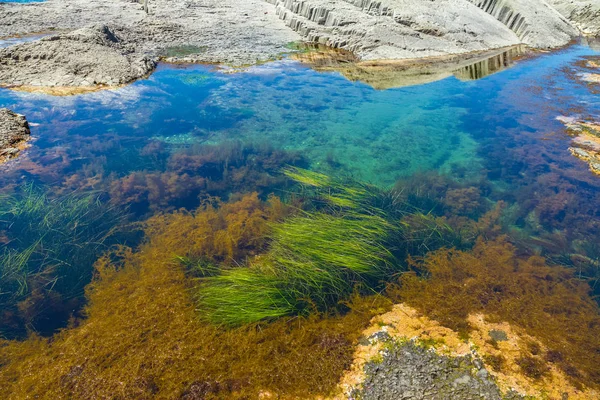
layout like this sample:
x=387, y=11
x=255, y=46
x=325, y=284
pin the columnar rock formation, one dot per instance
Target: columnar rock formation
x=584, y=14
x=533, y=21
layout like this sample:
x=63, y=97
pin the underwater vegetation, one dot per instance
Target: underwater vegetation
x=351, y=236
x=47, y=249
x=201, y=171
x=156, y=176
x=142, y=337
x=217, y=233
x=150, y=326
x=549, y=303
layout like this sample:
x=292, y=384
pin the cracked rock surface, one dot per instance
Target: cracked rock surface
x=99, y=55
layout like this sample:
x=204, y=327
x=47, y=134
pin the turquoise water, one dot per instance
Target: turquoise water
x=186, y=133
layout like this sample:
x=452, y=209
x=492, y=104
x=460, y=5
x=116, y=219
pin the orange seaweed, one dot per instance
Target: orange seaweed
x=549, y=303
x=143, y=338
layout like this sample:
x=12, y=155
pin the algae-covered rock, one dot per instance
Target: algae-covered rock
x=406, y=355
x=14, y=133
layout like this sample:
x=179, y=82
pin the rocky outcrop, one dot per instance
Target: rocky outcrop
x=14, y=133
x=89, y=57
x=534, y=22
x=584, y=14
x=397, y=29
x=586, y=141
x=412, y=372
x=127, y=41
x=407, y=355
x=224, y=31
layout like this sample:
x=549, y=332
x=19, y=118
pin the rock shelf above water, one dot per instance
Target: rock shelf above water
x=586, y=141
x=241, y=33
x=100, y=56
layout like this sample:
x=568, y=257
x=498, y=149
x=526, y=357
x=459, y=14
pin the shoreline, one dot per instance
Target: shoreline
x=87, y=42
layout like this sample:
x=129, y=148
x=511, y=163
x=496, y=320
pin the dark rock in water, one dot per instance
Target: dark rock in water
x=413, y=372
x=14, y=133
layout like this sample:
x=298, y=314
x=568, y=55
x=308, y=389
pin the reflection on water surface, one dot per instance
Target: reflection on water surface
x=490, y=65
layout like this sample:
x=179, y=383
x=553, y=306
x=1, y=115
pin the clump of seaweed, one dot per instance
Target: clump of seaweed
x=217, y=233
x=142, y=337
x=192, y=175
x=47, y=254
x=549, y=303
x=354, y=236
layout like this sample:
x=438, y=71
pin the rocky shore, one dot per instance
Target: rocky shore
x=104, y=44
x=14, y=133
x=99, y=56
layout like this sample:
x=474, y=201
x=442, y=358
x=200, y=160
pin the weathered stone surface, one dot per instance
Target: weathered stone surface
x=584, y=14
x=241, y=32
x=412, y=372
x=99, y=55
x=534, y=22
x=396, y=29
x=14, y=133
x=228, y=31
x=586, y=140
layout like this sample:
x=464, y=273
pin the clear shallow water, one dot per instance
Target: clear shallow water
x=336, y=124
x=20, y=39
x=153, y=144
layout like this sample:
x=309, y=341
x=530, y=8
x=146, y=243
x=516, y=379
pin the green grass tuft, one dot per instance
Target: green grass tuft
x=50, y=245
x=354, y=236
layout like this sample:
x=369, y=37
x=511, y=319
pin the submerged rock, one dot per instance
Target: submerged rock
x=85, y=59
x=586, y=141
x=406, y=355
x=410, y=371
x=14, y=133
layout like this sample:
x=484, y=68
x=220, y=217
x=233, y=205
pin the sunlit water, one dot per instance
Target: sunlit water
x=500, y=131
x=375, y=135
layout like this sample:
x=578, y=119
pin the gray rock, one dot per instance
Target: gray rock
x=86, y=55
x=584, y=14
x=124, y=42
x=409, y=371
x=398, y=29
